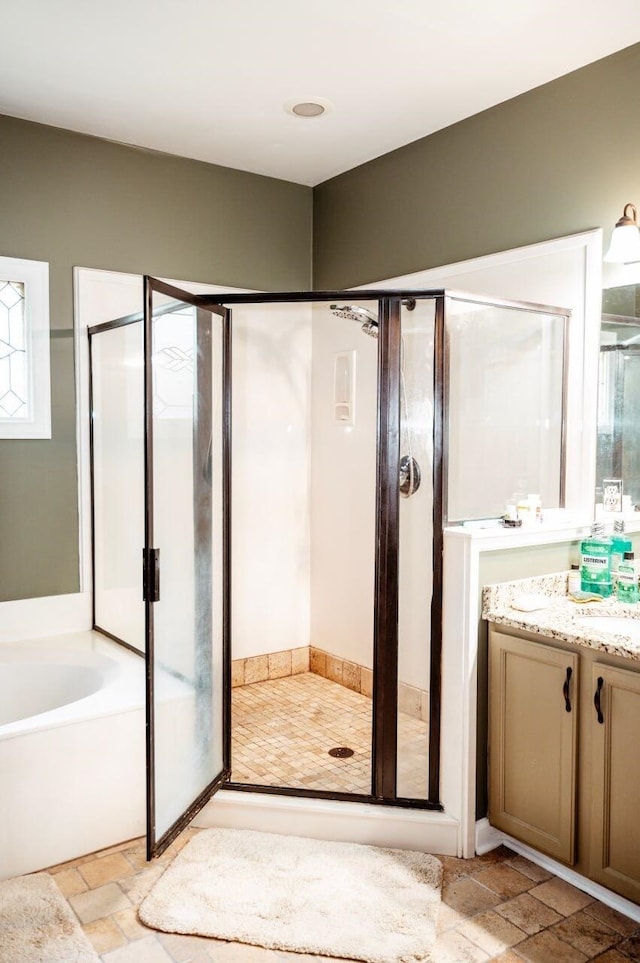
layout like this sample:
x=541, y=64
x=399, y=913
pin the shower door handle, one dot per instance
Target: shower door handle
x=151, y=575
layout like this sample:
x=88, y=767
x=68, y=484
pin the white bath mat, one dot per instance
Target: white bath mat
x=302, y=895
x=37, y=924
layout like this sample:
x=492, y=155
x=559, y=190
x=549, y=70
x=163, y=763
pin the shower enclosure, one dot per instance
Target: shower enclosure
x=270, y=487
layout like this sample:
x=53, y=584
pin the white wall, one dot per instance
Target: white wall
x=343, y=493
x=270, y=497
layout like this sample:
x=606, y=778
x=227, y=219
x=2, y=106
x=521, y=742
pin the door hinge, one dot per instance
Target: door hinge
x=151, y=574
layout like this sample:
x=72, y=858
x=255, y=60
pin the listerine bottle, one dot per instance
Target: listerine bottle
x=627, y=588
x=595, y=562
x=620, y=544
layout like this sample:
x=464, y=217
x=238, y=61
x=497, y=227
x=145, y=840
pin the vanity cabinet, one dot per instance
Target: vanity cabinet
x=533, y=743
x=615, y=780
x=564, y=754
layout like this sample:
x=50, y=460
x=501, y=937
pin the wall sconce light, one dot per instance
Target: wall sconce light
x=625, y=240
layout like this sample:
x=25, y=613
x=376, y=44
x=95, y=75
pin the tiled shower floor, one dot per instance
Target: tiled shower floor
x=283, y=729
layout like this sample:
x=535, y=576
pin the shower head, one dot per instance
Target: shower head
x=354, y=312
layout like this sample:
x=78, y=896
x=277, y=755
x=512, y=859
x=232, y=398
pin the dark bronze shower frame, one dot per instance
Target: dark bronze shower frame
x=384, y=749
x=155, y=847
x=385, y=692
x=92, y=332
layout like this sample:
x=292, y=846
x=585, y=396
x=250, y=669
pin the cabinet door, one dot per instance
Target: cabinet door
x=533, y=691
x=615, y=765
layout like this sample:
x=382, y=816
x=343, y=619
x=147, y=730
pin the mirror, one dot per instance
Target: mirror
x=618, y=447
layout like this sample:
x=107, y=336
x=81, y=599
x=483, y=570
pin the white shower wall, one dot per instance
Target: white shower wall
x=343, y=497
x=270, y=472
x=343, y=480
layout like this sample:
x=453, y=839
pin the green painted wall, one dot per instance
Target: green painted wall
x=73, y=200
x=562, y=158
x=559, y=159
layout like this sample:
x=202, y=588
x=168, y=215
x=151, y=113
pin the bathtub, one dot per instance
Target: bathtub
x=72, y=755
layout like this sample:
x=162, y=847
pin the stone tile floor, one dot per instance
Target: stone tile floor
x=282, y=731
x=497, y=907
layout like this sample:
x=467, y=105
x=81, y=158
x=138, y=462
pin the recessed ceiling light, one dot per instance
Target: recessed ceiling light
x=315, y=107
x=307, y=109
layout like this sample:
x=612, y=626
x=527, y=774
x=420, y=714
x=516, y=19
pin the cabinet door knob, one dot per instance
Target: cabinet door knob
x=596, y=700
x=565, y=689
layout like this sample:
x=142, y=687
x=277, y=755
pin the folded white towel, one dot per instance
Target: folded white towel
x=530, y=602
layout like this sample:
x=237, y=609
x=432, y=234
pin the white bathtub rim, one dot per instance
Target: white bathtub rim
x=123, y=673
x=31, y=688
x=40, y=723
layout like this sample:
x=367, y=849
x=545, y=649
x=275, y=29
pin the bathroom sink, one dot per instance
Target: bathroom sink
x=617, y=624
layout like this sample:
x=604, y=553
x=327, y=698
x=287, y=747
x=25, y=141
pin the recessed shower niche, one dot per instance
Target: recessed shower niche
x=292, y=577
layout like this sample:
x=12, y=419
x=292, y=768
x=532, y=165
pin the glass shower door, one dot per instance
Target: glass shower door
x=185, y=557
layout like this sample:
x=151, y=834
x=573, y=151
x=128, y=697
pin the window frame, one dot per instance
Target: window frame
x=34, y=275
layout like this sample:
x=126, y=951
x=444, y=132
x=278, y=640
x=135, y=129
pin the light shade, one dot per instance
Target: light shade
x=625, y=240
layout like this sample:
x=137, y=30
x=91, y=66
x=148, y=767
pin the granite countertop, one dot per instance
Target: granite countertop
x=558, y=617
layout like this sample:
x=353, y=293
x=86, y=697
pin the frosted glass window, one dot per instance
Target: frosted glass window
x=25, y=398
x=14, y=375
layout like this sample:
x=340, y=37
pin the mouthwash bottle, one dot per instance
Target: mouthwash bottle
x=627, y=588
x=619, y=545
x=595, y=562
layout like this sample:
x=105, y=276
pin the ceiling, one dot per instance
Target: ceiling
x=209, y=79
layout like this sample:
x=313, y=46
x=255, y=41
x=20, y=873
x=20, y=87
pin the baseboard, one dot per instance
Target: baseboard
x=487, y=838
x=52, y=615
x=616, y=902
x=411, y=700
x=397, y=828
x=270, y=665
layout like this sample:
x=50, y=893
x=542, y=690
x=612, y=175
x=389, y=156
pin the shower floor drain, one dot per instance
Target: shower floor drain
x=341, y=752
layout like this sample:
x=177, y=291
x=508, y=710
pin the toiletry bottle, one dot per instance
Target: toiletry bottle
x=595, y=562
x=573, y=580
x=510, y=518
x=535, y=508
x=627, y=589
x=620, y=544
x=523, y=507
